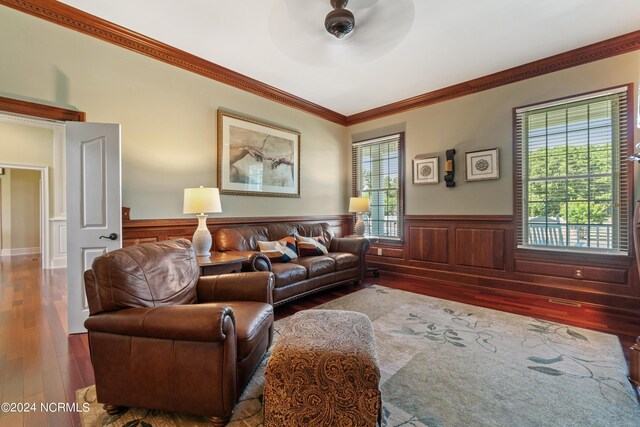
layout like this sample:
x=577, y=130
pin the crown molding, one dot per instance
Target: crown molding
x=70, y=17
x=582, y=55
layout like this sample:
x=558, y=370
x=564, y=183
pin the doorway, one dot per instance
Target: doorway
x=23, y=206
x=31, y=144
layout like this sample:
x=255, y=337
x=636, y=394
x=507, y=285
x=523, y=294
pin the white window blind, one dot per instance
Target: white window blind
x=572, y=180
x=377, y=174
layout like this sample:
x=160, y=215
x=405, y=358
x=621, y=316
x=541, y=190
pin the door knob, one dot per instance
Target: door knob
x=112, y=236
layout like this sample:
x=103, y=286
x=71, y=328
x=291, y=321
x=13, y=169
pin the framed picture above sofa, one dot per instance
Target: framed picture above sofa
x=256, y=158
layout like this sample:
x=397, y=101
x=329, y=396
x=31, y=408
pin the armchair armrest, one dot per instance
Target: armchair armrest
x=355, y=245
x=237, y=287
x=203, y=322
x=257, y=260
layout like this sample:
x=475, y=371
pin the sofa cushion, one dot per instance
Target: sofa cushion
x=282, y=250
x=320, y=229
x=310, y=246
x=242, y=238
x=316, y=265
x=253, y=320
x=287, y=273
x=344, y=260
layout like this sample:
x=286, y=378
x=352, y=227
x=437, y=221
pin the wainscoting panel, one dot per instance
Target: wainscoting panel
x=139, y=231
x=58, y=242
x=479, y=251
x=430, y=244
x=482, y=248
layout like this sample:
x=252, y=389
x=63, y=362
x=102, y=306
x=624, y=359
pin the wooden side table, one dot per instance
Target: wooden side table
x=220, y=263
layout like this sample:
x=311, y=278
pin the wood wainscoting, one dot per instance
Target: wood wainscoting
x=155, y=230
x=478, y=253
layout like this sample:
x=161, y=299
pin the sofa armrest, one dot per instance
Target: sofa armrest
x=257, y=261
x=355, y=245
x=237, y=287
x=194, y=322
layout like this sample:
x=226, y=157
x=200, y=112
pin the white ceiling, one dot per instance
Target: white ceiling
x=399, y=48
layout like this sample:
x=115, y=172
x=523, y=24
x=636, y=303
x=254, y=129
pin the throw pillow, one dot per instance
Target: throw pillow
x=311, y=246
x=282, y=250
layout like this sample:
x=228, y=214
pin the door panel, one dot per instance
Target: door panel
x=93, y=206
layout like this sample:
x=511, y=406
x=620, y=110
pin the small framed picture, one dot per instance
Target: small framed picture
x=425, y=171
x=482, y=164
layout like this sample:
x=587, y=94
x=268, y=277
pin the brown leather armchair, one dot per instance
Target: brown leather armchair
x=163, y=338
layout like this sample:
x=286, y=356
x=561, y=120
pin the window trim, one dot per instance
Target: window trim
x=551, y=252
x=401, y=182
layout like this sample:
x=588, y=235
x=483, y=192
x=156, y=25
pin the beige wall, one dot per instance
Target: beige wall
x=484, y=120
x=168, y=119
x=25, y=208
x=21, y=144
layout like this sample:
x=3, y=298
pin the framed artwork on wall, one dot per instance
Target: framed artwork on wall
x=256, y=158
x=482, y=164
x=425, y=171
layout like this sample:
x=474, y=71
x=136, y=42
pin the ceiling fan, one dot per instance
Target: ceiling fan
x=340, y=21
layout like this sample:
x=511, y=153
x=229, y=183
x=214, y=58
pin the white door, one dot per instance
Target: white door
x=94, y=222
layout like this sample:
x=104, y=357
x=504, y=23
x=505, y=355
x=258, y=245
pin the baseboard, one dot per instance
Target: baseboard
x=19, y=251
x=59, y=262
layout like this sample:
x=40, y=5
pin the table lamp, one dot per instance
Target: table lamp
x=200, y=201
x=359, y=205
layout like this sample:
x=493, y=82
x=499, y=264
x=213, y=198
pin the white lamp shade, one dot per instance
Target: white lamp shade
x=201, y=200
x=359, y=204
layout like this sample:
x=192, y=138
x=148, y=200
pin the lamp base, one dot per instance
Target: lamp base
x=202, y=237
x=360, y=227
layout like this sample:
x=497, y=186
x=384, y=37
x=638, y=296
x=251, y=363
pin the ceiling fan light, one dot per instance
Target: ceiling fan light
x=339, y=22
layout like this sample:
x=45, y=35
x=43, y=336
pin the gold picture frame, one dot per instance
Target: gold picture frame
x=256, y=158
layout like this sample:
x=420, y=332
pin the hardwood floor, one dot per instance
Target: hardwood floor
x=40, y=363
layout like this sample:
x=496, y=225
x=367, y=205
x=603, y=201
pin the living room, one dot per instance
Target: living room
x=456, y=243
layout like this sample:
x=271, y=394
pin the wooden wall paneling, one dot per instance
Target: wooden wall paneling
x=482, y=254
x=150, y=230
x=579, y=271
x=386, y=251
x=480, y=247
x=429, y=244
x=563, y=289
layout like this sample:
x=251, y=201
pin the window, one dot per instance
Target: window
x=378, y=175
x=572, y=180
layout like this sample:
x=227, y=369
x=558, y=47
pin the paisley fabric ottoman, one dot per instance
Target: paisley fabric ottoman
x=323, y=371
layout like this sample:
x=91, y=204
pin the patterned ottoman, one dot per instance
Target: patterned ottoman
x=323, y=371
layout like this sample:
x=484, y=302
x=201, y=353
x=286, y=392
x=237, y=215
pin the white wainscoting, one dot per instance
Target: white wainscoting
x=58, y=242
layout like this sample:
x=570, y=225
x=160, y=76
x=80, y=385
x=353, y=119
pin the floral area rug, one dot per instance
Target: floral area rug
x=445, y=363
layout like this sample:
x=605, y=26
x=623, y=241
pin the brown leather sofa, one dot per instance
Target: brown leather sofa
x=163, y=338
x=345, y=262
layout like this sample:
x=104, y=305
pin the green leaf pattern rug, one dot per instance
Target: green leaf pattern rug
x=444, y=363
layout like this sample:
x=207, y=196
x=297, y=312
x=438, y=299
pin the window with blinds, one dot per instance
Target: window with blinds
x=572, y=178
x=377, y=174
